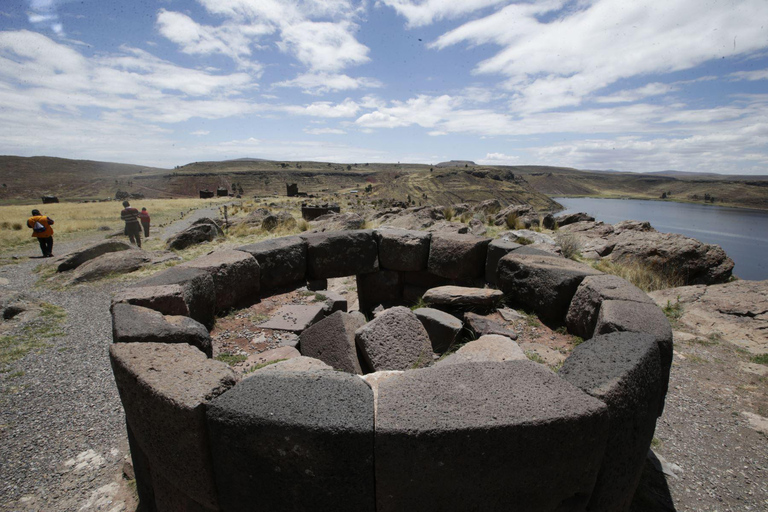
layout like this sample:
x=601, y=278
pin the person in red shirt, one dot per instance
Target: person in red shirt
x=132, y=226
x=42, y=230
x=144, y=218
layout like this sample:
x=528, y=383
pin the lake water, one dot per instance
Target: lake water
x=743, y=234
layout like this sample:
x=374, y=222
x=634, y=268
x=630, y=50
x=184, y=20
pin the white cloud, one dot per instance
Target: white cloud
x=200, y=132
x=499, y=159
x=44, y=13
x=424, y=12
x=761, y=74
x=628, y=96
x=346, y=108
x=320, y=83
x=324, y=131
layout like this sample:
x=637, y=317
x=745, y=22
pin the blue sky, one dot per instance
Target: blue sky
x=641, y=85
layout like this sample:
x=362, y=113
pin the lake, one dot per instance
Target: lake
x=743, y=234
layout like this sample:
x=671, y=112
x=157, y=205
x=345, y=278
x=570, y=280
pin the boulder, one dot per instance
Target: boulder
x=417, y=218
x=458, y=256
x=570, y=218
x=441, y=446
x=442, y=328
x=255, y=218
x=462, y=296
x=341, y=253
x=477, y=227
x=448, y=228
x=202, y=230
x=282, y=220
x=623, y=371
x=403, y=250
x=489, y=348
x=378, y=288
x=197, y=292
x=545, y=284
x=165, y=389
x=548, y=221
x=282, y=261
x=497, y=249
x=135, y=324
x=487, y=207
x=509, y=215
x=235, y=276
x=394, y=340
x=90, y=252
x=593, y=290
x=110, y=264
x=287, y=440
x=532, y=236
x=338, y=222
x=332, y=340
x=482, y=325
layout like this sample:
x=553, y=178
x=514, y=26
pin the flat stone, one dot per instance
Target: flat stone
x=465, y=428
x=489, y=348
x=403, y=250
x=394, y=340
x=295, y=364
x=282, y=261
x=341, y=253
x=269, y=356
x=332, y=340
x=235, y=276
x=510, y=315
x=457, y=256
x=462, y=296
x=294, y=318
x=482, y=325
x=442, y=328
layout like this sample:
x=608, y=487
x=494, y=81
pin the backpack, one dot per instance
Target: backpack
x=38, y=227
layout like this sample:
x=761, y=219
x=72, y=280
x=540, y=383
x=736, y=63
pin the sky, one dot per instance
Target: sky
x=630, y=85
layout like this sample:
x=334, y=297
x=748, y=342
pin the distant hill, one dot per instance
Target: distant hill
x=457, y=163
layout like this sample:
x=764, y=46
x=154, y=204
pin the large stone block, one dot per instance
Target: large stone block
x=593, y=290
x=235, y=276
x=341, y=253
x=486, y=436
x=458, y=256
x=382, y=287
x=442, y=328
x=462, y=296
x=164, y=390
x=197, y=291
x=394, y=340
x=489, y=348
x=545, y=284
x=294, y=441
x=90, y=252
x=282, y=261
x=403, y=250
x=623, y=370
x=332, y=340
x=497, y=249
x=483, y=325
x=135, y=324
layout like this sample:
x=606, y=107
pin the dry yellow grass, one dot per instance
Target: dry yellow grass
x=643, y=276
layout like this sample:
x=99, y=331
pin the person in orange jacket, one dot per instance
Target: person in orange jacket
x=144, y=218
x=42, y=230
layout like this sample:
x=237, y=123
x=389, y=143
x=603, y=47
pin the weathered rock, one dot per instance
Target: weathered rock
x=338, y=222
x=482, y=325
x=164, y=389
x=285, y=440
x=431, y=423
x=235, y=276
x=378, y=288
x=90, y=252
x=488, y=207
x=269, y=356
x=394, y=340
x=375, y=379
x=593, y=290
x=332, y=340
x=282, y=261
x=203, y=230
x=497, y=249
x=255, y=218
x=623, y=371
x=294, y=317
x=417, y=218
x=341, y=253
x=282, y=220
x=446, y=228
x=538, y=352
x=403, y=250
x=488, y=348
x=135, y=324
x=548, y=221
x=545, y=284
x=532, y=236
x=197, y=292
x=570, y=218
x=458, y=256
x=109, y=264
x=510, y=214
x=442, y=328
x=462, y=296
x=295, y=364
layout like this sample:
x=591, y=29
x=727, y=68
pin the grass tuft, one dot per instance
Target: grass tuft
x=231, y=359
x=759, y=359
x=645, y=277
x=569, y=245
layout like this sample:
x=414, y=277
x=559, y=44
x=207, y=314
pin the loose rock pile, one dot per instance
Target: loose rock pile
x=482, y=428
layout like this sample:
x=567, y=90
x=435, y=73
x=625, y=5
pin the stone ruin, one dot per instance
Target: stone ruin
x=312, y=211
x=481, y=432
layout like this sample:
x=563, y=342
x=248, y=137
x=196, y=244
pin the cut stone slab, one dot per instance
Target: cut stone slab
x=271, y=355
x=286, y=440
x=490, y=348
x=235, y=276
x=394, y=340
x=295, y=364
x=164, y=389
x=545, y=284
x=482, y=325
x=341, y=253
x=332, y=340
x=282, y=261
x=460, y=296
x=403, y=250
x=593, y=290
x=135, y=324
x=95, y=250
x=465, y=428
x=442, y=328
x=457, y=256
x=294, y=317
x=510, y=315
x=113, y=263
x=497, y=249
x=624, y=371
x=378, y=288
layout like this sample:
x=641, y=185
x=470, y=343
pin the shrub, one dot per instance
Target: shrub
x=569, y=245
x=16, y=226
x=523, y=240
x=646, y=277
x=512, y=221
x=449, y=213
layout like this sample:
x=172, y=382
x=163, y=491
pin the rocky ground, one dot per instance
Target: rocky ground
x=62, y=434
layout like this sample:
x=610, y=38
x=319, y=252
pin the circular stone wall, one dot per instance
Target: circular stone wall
x=479, y=433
